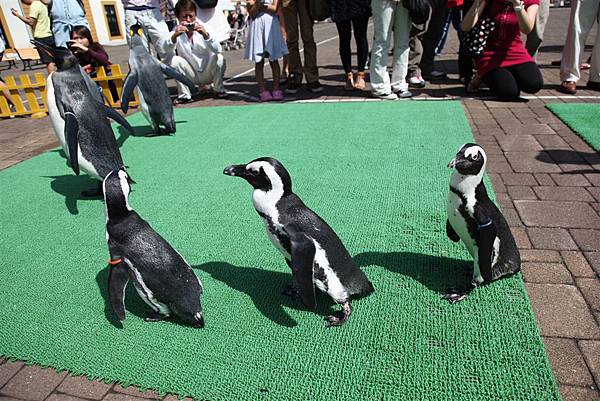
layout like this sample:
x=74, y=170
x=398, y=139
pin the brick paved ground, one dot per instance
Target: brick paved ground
x=547, y=182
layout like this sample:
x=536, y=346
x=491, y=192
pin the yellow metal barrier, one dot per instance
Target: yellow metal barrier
x=29, y=96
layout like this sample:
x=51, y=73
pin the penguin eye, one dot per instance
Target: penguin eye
x=475, y=156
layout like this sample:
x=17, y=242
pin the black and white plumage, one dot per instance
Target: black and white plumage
x=146, y=73
x=161, y=276
x=79, y=118
x=311, y=248
x=476, y=221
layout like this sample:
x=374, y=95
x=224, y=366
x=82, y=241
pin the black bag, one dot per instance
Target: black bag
x=476, y=39
x=204, y=4
x=419, y=10
x=319, y=10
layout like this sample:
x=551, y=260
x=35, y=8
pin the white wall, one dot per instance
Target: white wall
x=18, y=29
x=100, y=22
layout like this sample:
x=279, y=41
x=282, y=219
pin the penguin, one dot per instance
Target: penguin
x=476, y=221
x=309, y=245
x=79, y=118
x=146, y=73
x=162, y=278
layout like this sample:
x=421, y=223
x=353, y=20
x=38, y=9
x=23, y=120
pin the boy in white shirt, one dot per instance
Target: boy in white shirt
x=200, y=56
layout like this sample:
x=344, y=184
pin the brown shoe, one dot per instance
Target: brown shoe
x=349, y=82
x=568, y=87
x=359, y=82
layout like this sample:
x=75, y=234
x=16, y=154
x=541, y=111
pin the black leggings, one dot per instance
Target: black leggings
x=360, y=36
x=508, y=82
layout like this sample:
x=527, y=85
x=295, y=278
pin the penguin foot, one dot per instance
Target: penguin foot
x=456, y=295
x=154, y=317
x=290, y=291
x=93, y=193
x=340, y=317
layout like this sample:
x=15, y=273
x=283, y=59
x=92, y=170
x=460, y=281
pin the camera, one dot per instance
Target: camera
x=190, y=27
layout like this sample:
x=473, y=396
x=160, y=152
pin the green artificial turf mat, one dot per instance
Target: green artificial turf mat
x=376, y=172
x=583, y=118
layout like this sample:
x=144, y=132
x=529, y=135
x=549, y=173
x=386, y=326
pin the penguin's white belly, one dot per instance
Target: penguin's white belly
x=331, y=283
x=145, y=293
x=144, y=106
x=459, y=224
x=87, y=166
x=275, y=241
x=57, y=121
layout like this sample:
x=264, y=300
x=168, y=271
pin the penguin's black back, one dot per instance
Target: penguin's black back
x=151, y=83
x=509, y=258
x=162, y=268
x=96, y=138
x=292, y=211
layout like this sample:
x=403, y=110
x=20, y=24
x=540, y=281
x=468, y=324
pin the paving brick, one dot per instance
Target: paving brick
x=591, y=353
x=8, y=370
x=571, y=393
x=594, y=260
x=532, y=162
x=551, y=273
x=63, y=397
x=534, y=129
x=80, y=386
x=497, y=183
x=521, y=238
x=561, y=193
x=512, y=218
x=551, y=238
x=590, y=288
x=561, y=311
x=557, y=214
x=570, y=180
x=544, y=179
x=121, y=397
x=568, y=363
x=595, y=191
x=541, y=255
x=520, y=143
x=521, y=192
x=588, y=240
x=596, y=206
x=518, y=179
x=33, y=383
x=551, y=141
x=498, y=164
x=133, y=391
x=8, y=399
x=594, y=179
x=577, y=264
x=504, y=201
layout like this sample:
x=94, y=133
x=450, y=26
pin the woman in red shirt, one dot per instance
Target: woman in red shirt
x=505, y=65
x=90, y=54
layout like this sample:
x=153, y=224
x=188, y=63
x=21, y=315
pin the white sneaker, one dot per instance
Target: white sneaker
x=416, y=82
x=386, y=96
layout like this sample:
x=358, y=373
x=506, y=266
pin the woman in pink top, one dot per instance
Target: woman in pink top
x=505, y=66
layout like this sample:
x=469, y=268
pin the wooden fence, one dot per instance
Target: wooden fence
x=29, y=95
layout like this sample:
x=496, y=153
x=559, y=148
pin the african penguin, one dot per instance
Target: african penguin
x=161, y=276
x=79, y=118
x=477, y=221
x=146, y=73
x=310, y=247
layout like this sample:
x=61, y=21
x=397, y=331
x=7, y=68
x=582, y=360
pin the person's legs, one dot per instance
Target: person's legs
x=444, y=35
x=344, y=29
x=6, y=93
x=213, y=73
x=276, y=74
x=401, y=50
x=432, y=35
x=290, y=14
x=595, y=70
x=360, y=25
x=383, y=13
x=528, y=76
x=502, y=84
x=415, y=52
x=181, y=65
x=583, y=16
x=260, y=77
x=311, y=70
x=157, y=30
x=536, y=36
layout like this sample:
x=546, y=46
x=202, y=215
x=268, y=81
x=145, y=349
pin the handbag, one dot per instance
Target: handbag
x=418, y=10
x=204, y=4
x=319, y=10
x=476, y=39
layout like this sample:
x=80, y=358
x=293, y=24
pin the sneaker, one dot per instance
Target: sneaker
x=13, y=111
x=314, y=87
x=277, y=95
x=416, y=82
x=221, y=95
x=265, y=96
x=292, y=85
x=386, y=96
x=433, y=75
x=591, y=85
x=403, y=94
x=568, y=87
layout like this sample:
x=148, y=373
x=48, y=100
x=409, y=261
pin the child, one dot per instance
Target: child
x=40, y=23
x=265, y=41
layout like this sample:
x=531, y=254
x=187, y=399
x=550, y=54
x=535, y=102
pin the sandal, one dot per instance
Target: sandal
x=359, y=82
x=568, y=87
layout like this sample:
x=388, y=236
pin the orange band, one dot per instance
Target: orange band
x=115, y=262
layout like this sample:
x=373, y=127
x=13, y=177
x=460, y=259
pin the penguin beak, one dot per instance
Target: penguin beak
x=236, y=170
x=199, y=323
x=49, y=50
x=452, y=163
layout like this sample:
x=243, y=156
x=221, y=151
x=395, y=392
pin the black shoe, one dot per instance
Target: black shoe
x=594, y=86
x=434, y=75
x=405, y=94
x=314, y=87
x=292, y=85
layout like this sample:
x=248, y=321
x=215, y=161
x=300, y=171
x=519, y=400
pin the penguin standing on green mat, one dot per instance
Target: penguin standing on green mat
x=476, y=221
x=311, y=248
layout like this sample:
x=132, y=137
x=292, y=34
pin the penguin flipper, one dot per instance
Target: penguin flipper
x=118, y=277
x=72, y=139
x=130, y=83
x=485, y=243
x=451, y=233
x=303, y=255
x=119, y=119
x=173, y=73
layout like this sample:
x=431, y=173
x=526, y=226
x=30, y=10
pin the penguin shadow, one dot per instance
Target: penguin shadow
x=70, y=186
x=133, y=303
x=437, y=273
x=143, y=131
x=264, y=288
